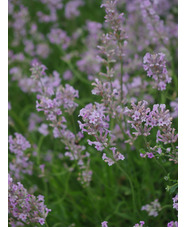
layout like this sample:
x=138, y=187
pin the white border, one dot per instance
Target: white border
x=182, y=111
x=4, y=112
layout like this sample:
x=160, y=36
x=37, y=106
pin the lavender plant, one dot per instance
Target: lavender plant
x=25, y=208
x=104, y=144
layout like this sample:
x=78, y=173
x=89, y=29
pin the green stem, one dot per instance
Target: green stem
x=38, y=149
x=73, y=123
x=132, y=187
x=166, y=206
x=76, y=73
x=161, y=166
x=121, y=79
x=46, y=224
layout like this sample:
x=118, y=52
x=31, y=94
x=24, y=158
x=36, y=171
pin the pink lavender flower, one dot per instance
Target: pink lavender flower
x=93, y=28
x=110, y=93
x=18, y=144
x=155, y=65
x=108, y=160
x=156, y=29
x=85, y=176
x=53, y=6
x=20, y=164
x=140, y=224
x=29, y=47
x=9, y=106
x=51, y=17
x=71, y=8
x=41, y=221
x=166, y=135
x=65, y=96
x=96, y=123
x=116, y=157
x=37, y=70
x=104, y=224
x=34, y=119
x=58, y=36
x=138, y=115
x=174, y=106
x=24, y=206
x=67, y=75
x=89, y=62
x=114, y=42
x=150, y=155
x=159, y=116
x=153, y=208
x=142, y=120
x=154, y=151
x=42, y=50
x=175, y=202
x=172, y=224
x=43, y=129
x=53, y=3
x=20, y=19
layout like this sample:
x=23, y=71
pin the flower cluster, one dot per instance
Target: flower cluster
x=71, y=8
x=65, y=96
x=174, y=106
x=155, y=65
x=59, y=37
x=138, y=115
x=96, y=123
x=141, y=224
x=166, y=135
x=24, y=207
x=153, y=208
x=156, y=28
x=113, y=43
x=89, y=62
x=110, y=93
x=52, y=98
x=19, y=23
x=37, y=70
x=53, y=6
x=18, y=144
x=116, y=157
x=172, y=224
x=153, y=152
x=116, y=23
x=175, y=202
x=104, y=224
x=20, y=163
x=142, y=120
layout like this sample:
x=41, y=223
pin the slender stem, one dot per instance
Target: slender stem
x=131, y=185
x=73, y=123
x=121, y=78
x=76, y=73
x=42, y=85
x=46, y=224
x=161, y=166
x=166, y=206
x=121, y=128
